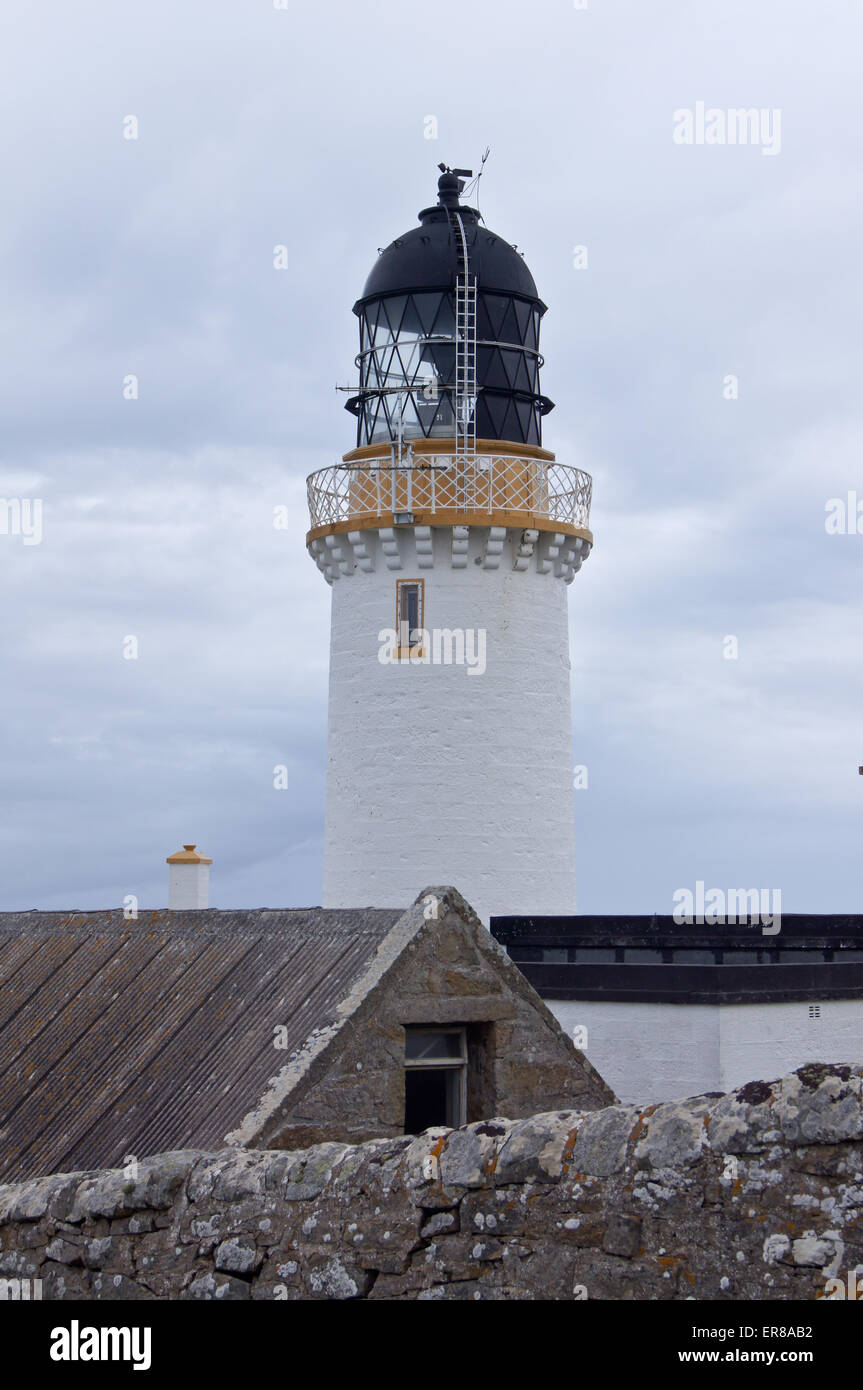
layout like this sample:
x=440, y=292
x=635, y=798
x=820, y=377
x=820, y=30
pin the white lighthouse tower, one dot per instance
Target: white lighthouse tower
x=449, y=537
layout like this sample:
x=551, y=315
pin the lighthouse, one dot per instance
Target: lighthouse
x=449, y=537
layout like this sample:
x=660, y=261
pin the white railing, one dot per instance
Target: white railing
x=430, y=483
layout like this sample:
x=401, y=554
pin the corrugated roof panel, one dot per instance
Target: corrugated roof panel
x=208, y=1109
x=124, y=1037
x=55, y=975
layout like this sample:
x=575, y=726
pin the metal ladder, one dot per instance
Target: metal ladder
x=465, y=346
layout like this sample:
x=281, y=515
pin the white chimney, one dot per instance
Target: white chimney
x=189, y=880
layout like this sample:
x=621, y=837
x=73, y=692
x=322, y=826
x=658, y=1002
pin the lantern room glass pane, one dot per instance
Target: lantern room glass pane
x=426, y=307
x=523, y=314
x=495, y=306
x=509, y=332
x=407, y=368
x=394, y=309
x=444, y=324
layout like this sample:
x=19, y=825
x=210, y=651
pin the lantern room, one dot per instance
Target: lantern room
x=414, y=328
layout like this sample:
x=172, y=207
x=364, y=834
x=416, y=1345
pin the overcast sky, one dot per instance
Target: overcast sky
x=305, y=126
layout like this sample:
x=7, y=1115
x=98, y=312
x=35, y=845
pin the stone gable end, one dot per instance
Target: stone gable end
x=450, y=971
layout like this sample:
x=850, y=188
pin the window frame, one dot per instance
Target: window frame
x=418, y=650
x=458, y=1064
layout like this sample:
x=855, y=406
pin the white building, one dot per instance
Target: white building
x=449, y=536
x=664, y=1010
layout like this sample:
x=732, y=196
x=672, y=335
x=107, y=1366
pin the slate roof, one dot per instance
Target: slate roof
x=121, y=1037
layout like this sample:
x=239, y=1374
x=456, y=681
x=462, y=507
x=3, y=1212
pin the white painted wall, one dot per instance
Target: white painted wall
x=648, y=1052
x=438, y=776
x=654, y=1052
x=762, y=1041
x=188, y=886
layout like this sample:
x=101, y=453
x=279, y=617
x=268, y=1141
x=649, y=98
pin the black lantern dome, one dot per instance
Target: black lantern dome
x=407, y=314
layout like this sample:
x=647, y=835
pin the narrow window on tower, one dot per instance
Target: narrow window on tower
x=410, y=616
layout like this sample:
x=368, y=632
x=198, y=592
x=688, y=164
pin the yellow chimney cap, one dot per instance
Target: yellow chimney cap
x=187, y=855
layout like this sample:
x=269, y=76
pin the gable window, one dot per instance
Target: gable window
x=435, y=1078
x=410, y=616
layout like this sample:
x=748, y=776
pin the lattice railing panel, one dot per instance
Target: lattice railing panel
x=443, y=483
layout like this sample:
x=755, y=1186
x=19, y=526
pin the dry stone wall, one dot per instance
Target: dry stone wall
x=754, y=1195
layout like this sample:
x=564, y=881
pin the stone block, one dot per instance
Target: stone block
x=623, y=1236
x=239, y=1255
